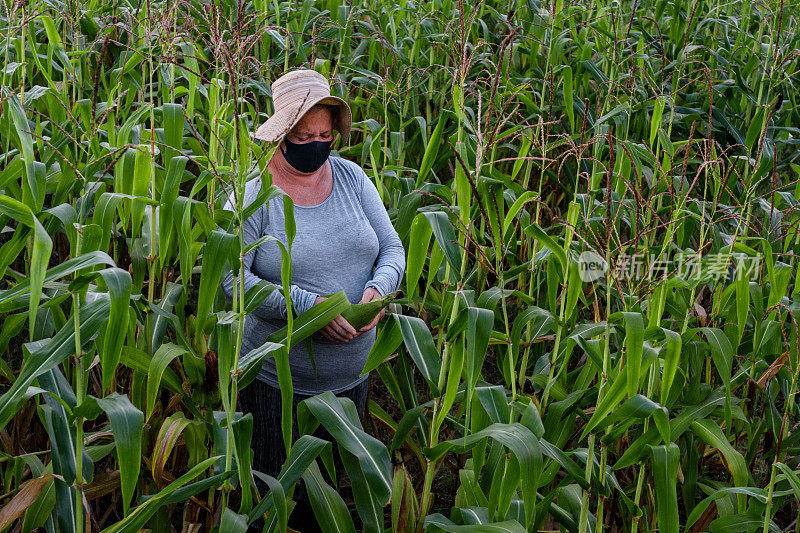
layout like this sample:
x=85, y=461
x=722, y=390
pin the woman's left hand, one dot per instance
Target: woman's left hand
x=371, y=293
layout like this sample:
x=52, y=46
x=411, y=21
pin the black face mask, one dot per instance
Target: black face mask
x=307, y=157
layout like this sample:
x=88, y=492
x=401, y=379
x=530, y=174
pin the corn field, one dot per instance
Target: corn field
x=595, y=331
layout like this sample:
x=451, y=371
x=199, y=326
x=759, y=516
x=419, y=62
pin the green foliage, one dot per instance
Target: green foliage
x=507, y=140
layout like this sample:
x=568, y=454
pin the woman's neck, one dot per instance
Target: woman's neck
x=304, y=189
x=287, y=174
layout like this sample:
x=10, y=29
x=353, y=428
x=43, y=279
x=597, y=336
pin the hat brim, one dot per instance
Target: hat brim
x=275, y=128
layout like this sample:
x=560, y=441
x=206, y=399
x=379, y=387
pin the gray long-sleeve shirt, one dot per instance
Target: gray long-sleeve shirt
x=338, y=242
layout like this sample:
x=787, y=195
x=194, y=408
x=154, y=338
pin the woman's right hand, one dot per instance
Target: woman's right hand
x=338, y=329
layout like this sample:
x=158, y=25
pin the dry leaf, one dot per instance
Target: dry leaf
x=24, y=498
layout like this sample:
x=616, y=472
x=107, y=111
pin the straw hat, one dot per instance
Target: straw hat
x=294, y=94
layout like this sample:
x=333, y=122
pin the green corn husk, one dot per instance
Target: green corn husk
x=359, y=315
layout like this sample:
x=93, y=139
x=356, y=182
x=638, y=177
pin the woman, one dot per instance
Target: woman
x=344, y=241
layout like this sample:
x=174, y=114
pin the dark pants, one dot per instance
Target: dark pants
x=264, y=401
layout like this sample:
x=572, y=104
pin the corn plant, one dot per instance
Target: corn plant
x=596, y=325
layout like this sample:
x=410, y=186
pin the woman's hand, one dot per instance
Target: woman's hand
x=371, y=293
x=338, y=329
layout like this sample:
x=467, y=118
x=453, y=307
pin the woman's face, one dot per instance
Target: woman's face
x=315, y=125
